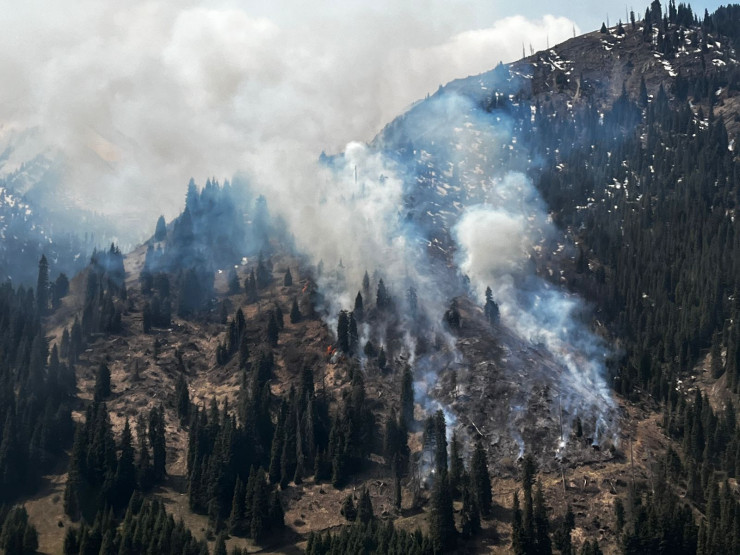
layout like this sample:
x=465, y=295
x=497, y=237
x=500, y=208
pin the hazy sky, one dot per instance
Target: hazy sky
x=140, y=96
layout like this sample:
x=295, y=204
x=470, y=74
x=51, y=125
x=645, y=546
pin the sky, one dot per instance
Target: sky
x=138, y=97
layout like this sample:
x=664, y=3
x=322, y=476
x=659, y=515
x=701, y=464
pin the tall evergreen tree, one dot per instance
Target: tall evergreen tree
x=126, y=469
x=407, y=398
x=481, y=480
x=160, y=231
x=158, y=442
x=102, y=383
x=359, y=310
x=441, y=517
x=365, y=507
x=42, y=286
x=295, y=312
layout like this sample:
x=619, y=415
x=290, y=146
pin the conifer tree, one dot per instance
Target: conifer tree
x=288, y=459
x=295, y=312
x=273, y=330
x=102, y=383
x=352, y=336
x=18, y=535
x=143, y=466
x=359, y=310
x=260, y=508
x=481, y=480
x=42, y=286
x=276, y=512
x=160, y=231
x=491, y=309
x=158, y=442
x=278, y=443
x=457, y=467
x=381, y=358
x=441, y=518
x=541, y=523
x=182, y=399
x=397, y=495
x=366, y=283
x=382, y=300
x=407, y=398
x=125, y=470
x=470, y=516
x=220, y=547
x=440, y=443
x=343, y=331
x=288, y=279
x=518, y=534
x=365, y=507
x=233, y=280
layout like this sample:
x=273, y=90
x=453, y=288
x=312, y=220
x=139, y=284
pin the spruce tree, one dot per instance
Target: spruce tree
x=359, y=310
x=352, y=336
x=457, y=467
x=441, y=517
x=481, y=480
x=260, y=508
x=233, y=280
x=470, y=516
x=343, y=331
x=288, y=279
x=160, y=231
x=273, y=330
x=382, y=300
x=407, y=398
x=491, y=309
x=541, y=523
x=42, y=286
x=102, y=383
x=365, y=507
x=518, y=534
x=237, y=525
x=288, y=459
x=158, y=442
x=220, y=547
x=243, y=351
x=182, y=399
x=381, y=358
x=295, y=312
x=275, y=512
x=126, y=469
x=440, y=443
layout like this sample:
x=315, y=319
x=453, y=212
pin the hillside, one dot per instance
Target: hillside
x=552, y=307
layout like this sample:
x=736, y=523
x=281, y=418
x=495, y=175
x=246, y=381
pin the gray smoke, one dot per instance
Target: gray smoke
x=134, y=99
x=495, y=241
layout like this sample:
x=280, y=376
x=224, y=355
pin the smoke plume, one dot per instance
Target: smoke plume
x=132, y=100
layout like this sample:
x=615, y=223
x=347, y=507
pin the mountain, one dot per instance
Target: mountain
x=549, y=306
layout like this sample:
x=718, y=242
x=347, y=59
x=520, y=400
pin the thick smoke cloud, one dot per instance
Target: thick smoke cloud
x=495, y=242
x=137, y=98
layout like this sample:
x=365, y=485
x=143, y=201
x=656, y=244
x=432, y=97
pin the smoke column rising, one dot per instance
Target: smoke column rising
x=495, y=241
x=132, y=100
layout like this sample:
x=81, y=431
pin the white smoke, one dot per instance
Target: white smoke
x=495, y=243
x=133, y=99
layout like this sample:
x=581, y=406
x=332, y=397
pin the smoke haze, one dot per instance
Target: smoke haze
x=135, y=99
